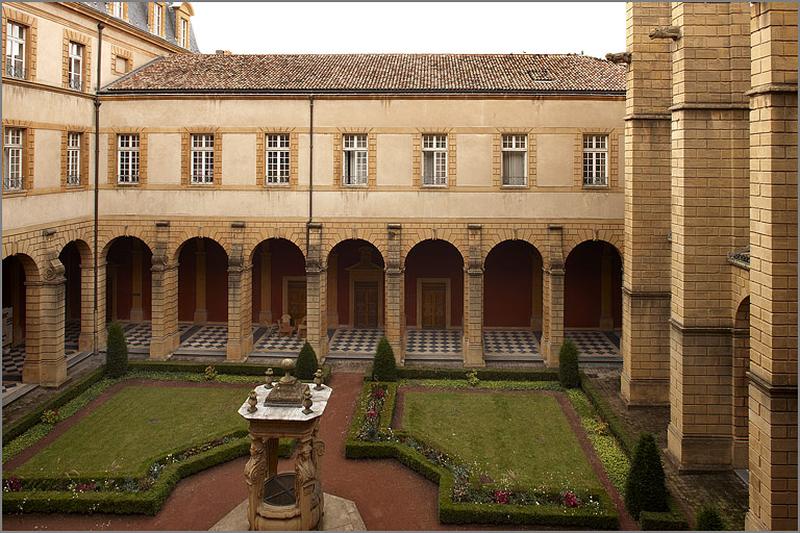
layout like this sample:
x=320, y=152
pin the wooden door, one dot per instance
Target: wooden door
x=296, y=300
x=434, y=305
x=365, y=312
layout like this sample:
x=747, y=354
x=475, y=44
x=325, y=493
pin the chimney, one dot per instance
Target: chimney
x=223, y=52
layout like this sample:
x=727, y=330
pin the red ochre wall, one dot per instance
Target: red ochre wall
x=216, y=281
x=508, y=284
x=14, y=271
x=121, y=254
x=286, y=260
x=582, y=284
x=435, y=259
x=70, y=257
x=348, y=255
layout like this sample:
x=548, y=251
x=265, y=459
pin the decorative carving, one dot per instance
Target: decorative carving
x=54, y=269
x=666, y=32
x=619, y=58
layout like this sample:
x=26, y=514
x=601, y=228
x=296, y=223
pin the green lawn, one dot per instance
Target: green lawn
x=138, y=425
x=524, y=438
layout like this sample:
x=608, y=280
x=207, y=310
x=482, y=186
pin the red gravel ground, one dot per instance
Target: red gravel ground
x=388, y=495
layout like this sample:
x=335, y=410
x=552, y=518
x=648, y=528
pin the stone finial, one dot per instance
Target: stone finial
x=666, y=32
x=268, y=378
x=619, y=58
x=318, y=379
x=307, y=401
x=252, y=402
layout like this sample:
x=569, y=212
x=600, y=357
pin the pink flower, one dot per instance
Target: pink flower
x=570, y=500
x=502, y=496
x=372, y=413
x=378, y=393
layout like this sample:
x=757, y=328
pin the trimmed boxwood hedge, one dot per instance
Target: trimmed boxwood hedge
x=672, y=520
x=451, y=512
x=236, y=369
x=626, y=440
x=485, y=374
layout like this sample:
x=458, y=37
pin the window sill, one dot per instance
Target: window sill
x=514, y=187
x=127, y=184
x=358, y=186
x=445, y=186
x=202, y=184
x=13, y=193
x=596, y=187
x=277, y=185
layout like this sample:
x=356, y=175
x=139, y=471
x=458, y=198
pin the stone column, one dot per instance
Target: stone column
x=136, y=314
x=316, y=291
x=473, y=299
x=45, y=362
x=88, y=326
x=773, y=268
x=394, y=287
x=200, y=310
x=646, y=277
x=265, y=273
x=553, y=297
x=165, y=336
x=240, y=306
x=709, y=147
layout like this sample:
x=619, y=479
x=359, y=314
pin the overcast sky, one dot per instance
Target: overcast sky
x=295, y=27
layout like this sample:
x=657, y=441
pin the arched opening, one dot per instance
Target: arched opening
x=740, y=367
x=203, y=296
x=128, y=290
x=434, y=299
x=593, y=299
x=76, y=258
x=18, y=308
x=355, y=296
x=279, y=297
x=512, y=293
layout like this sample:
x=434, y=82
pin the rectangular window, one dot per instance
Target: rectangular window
x=16, y=35
x=184, y=33
x=75, y=66
x=158, y=16
x=202, y=157
x=595, y=160
x=12, y=159
x=354, y=160
x=73, y=158
x=128, y=158
x=278, y=159
x=434, y=160
x=116, y=9
x=515, y=160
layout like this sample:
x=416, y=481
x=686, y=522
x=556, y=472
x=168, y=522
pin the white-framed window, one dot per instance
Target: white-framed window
x=158, y=17
x=434, y=159
x=277, y=158
x=354, y=159
x=128, y=158
x=74, y=158
x=75, y=66
x=202, y=157
x=595, y=160
x=16, y=35
x=116, y=9
x=184, y=40
x=515, y=160
x=12, y=159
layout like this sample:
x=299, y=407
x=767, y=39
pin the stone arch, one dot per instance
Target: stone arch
x=208, y=301
x=593, y=286
x=185, y=235
x=437, y=264
x=492, y=238
x=78, y=260
x=454, y=237
x=292, y=235
x=278, y=280
x=128, y=278
x=512, y=285
x=355, y=284
x=373, y=236
x=107, y=238
x=571, y=242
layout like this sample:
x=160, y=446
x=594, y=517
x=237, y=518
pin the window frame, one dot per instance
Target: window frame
x=440, y=155
x=22, y=41
x=359, y=153
x=202, y=152
x=158, y=18
x=76, y=54
x=594, y=178
x=74, y=141
x=184, y=33
x=514, y=148
x=117, y=9
x=277, y=159
x=17, y=148
x=133, y=161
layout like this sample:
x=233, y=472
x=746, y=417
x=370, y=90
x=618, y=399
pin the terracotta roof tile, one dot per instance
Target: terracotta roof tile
x=442, y=73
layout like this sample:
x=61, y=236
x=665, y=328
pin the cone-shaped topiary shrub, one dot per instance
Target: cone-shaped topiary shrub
x=568, y=365
x=645, y=489
x=116, y=352
x=708, y=519
x=306, y=363
x=384, y=367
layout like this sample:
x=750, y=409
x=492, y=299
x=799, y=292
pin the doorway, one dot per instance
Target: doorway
x=434, y=304
x=366, y=302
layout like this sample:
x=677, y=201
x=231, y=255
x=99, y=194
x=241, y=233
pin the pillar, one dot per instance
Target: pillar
x=316, y=292
x=473, y=299
x=88, y=325
x=536, y=292
x=553, y=297
x=773, y=268
x=709, y=169
x=606, y=289
x=136, y=314
x=394, y=302
x=240, y=305
x=45, y=361
x=333, y=290
x=165, y=336
x=200, y=310
x=265, y=295
x=646, y=277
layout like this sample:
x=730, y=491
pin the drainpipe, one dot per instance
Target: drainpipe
x=310, y=172
x=100, y=27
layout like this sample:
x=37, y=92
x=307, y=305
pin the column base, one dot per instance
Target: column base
x=550, y=352
x=137, y=315
x=45, y=373
x=239, y=350
x=698, y=454
x=200, y=315
x=161, y=349
x=644, y=391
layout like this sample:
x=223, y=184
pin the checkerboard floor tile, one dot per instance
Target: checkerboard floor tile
x=72, y=330
x=9, y=386
x=362, y=341
x=137, y=334
x=510, y=342
x=208, y=338
x=433, y=341
x=272, y=342
x=13, y=359
x=592, y=343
